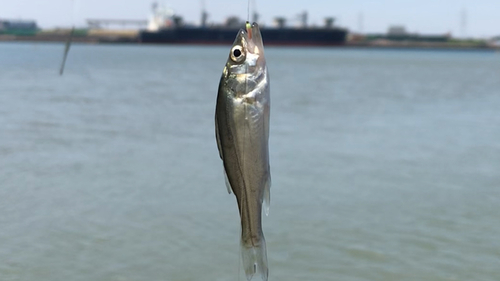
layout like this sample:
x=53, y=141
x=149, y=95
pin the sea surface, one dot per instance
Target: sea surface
x=385, y=165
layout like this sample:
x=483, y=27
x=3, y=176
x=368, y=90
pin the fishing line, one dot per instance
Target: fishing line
x=73, y=12
x=70, y=37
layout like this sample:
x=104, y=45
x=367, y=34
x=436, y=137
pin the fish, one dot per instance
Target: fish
x=242, y=133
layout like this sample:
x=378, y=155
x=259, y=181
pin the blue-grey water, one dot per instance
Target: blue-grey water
x=385, y=165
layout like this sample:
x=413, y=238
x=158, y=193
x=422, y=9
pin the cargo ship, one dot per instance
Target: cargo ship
x=164, y=27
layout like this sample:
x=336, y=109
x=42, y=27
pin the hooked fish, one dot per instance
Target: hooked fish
x=242, y=133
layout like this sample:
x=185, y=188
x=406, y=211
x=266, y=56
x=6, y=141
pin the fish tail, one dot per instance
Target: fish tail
x=255, y=260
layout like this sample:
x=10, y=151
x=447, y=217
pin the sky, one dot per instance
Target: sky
x=422, y=16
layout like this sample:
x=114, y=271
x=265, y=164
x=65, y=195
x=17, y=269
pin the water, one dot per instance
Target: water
x=385, y=165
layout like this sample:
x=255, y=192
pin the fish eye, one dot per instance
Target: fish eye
x=237, y=54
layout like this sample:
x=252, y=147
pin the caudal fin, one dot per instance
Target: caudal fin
x=255, y=260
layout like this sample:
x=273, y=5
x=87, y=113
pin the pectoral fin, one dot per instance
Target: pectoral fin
x=228, y=185
x=219, y=147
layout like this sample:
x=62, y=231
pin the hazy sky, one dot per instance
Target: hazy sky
x=423, y=16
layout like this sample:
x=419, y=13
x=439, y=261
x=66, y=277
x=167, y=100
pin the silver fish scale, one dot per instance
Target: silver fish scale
x=242, y=132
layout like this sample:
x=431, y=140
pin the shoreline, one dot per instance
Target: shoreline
x=131, y=37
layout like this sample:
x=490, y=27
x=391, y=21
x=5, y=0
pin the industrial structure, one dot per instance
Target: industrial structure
x=18, y=27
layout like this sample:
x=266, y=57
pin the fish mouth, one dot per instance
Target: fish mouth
x=251, y=38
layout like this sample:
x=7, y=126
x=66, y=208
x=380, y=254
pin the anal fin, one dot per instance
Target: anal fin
x=267, y=194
